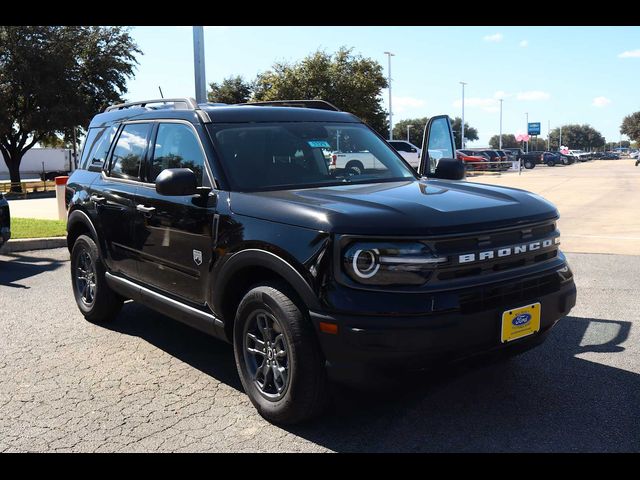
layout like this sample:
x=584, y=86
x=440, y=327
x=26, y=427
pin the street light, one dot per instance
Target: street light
x=389, y=54
x=462, y=135
x=501, y=124
x=408, y=138
x=527, y=130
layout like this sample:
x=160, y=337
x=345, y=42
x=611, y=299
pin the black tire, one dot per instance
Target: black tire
x=565, y=161
x=304, y=393
x=551, y=163
x=355, y=166
x=528, y=164
x=103, y=304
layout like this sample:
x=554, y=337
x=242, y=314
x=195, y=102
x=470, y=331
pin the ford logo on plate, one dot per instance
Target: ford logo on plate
x=521, y=319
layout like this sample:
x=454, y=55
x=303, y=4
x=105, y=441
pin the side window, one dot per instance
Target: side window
x=100, y=149
x=129, y=151
x=176, y=147
x=89, y=145
x=440, y=142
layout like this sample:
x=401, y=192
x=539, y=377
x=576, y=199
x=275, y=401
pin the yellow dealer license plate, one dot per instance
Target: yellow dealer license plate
x=520, y=322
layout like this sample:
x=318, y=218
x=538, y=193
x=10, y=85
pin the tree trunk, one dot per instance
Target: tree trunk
x=13, y=164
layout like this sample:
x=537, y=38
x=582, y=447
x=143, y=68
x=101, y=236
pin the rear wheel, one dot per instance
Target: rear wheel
x=565, y=161
x=551, y=163
x=278, y=357
x=529, y=164
x=95, y=299
x=354, y=167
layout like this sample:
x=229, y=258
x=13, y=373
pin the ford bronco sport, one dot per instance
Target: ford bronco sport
x=229, y=219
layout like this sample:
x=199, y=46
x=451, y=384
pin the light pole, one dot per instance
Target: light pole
x=527, y=130
x=462, y=130
x=501, y=124
x=198, y=64
x=389, y=55
x=560, y=139
x=408, y=138
x=548, y=135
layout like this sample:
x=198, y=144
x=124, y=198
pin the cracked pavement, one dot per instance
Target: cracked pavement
x=145, y=383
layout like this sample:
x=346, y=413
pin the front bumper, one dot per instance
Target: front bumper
x=367, y=345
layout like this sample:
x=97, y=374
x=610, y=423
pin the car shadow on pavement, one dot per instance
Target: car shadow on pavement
x=545, y=400
x=18, y=266
x=208, y=354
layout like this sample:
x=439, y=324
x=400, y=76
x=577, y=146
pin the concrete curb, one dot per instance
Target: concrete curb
x=24, y=244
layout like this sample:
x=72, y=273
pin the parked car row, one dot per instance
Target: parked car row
x=485, y=159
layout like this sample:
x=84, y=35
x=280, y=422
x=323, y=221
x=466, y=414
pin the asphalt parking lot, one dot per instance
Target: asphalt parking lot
x=599, y=202
x=147, y=383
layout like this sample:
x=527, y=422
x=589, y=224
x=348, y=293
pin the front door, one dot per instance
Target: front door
x=174, y=233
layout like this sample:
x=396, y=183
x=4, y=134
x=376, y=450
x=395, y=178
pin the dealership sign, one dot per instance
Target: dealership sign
x=534, y=128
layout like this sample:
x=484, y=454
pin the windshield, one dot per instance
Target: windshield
x=287, y=155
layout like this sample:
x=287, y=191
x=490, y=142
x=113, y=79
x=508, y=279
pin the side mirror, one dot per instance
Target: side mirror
x=414, y=150
x=449, y=169
x=177, y=181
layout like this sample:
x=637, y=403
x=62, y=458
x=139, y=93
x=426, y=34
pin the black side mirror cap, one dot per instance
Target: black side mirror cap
x=177, y=181
x=450, y=169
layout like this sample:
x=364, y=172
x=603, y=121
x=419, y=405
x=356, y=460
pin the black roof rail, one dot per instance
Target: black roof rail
x=318, y=104
x=185, y=103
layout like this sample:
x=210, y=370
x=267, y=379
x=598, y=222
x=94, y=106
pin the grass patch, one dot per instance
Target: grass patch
x=37, y=228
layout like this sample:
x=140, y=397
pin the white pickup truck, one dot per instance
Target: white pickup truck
x=357, y=162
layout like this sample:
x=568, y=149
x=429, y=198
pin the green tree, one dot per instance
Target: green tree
x=470, y=133
x=416, y=131
x=631, y=126
x=54, y=78
x=231, y=90
x=508, y=141
x=54, y=141
x=350, y=82
x=580, y=137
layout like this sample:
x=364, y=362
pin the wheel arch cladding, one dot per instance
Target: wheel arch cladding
x=252, y=267
x=78, y=224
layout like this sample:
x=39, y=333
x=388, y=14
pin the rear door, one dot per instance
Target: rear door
x=113, y=196
x=174, y=233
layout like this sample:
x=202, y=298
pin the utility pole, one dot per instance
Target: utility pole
x=462, y=130
x=548, y=135
x=389, y=55
x=198, y=64
x=560, y=140
x=501, y=124
x=408, y=138
x=527, y=130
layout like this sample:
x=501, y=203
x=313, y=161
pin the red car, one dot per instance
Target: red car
x=473, y=160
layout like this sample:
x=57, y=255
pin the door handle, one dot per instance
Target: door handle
x=97, y=199
x=146, y=210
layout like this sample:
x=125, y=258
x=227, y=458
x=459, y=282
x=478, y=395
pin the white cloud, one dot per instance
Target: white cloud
x=630, y=54
x=402, y=104
x=524, y=43
x=600, y=102
x=496, y=37
x=489, y=104
x=533, y=95
x=501, y=94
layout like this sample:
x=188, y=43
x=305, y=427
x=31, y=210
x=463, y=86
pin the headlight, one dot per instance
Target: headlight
x=390, y=263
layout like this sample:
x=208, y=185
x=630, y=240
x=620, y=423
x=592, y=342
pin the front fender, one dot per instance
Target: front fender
x=254, y=257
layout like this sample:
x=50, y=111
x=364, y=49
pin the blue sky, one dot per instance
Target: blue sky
x=557, y=74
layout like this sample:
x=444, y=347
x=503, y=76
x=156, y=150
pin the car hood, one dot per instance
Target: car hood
x=431, y=207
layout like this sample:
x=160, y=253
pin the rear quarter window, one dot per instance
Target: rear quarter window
x=96, y=148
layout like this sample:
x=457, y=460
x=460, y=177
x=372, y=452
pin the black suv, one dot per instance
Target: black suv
x=5, y=221
x=228, y=218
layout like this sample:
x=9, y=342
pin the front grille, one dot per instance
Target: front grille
x=493, y=241
x=487, y=298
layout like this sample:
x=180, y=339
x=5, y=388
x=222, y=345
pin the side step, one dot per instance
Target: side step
x=186, y=314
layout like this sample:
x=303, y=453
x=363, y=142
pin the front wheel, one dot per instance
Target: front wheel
x=278, y=357
x=528, y=164
x=354, y=167
x=95, y=299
